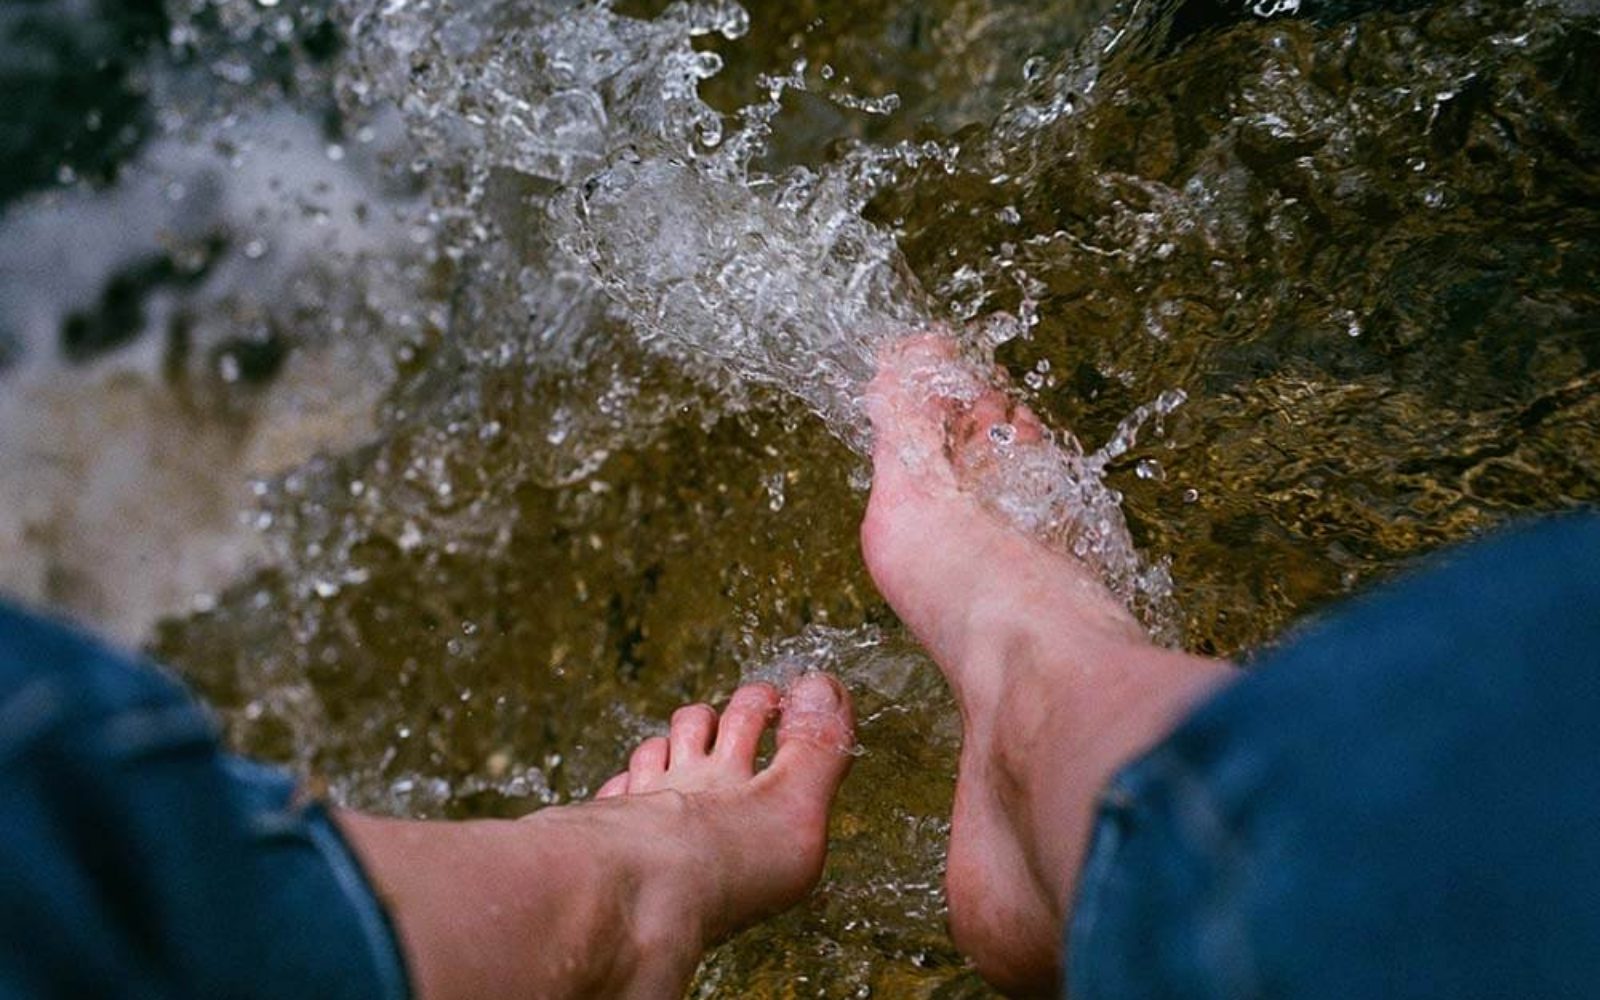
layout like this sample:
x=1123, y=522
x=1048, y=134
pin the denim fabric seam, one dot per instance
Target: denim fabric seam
x=1104, y=846
x=377, y=928
x=1201, y=828
x=1234, y=971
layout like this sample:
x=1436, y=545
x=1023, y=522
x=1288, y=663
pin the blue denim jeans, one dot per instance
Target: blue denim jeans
x=138, y=860
x=1401, y=801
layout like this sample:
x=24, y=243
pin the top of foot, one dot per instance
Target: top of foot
x=620, y=897
x=940, y=556
x=1056, y=682
x=730, y=844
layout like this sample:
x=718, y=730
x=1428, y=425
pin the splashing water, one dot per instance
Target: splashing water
x=484, y=376
x=738, y=277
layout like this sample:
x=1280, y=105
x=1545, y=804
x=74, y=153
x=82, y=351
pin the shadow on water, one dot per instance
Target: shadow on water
x=84, y=111
x=446, y=486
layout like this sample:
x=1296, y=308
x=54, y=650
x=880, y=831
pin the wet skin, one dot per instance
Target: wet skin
x=621, y=896
x=1057, y=684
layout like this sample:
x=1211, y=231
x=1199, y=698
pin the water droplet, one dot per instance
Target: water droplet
x=410, y=537
x=775, y=484
x=706, y=65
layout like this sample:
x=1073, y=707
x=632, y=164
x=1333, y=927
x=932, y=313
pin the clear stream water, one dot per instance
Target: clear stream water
x=450, y=388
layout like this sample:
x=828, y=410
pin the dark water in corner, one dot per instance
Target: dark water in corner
x=462, y=386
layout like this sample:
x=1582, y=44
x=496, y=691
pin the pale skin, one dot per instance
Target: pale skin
x=621, y=896
x=1057, y=684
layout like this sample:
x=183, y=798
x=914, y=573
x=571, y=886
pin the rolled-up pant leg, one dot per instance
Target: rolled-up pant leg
x=139, y=860
x=1401, y=801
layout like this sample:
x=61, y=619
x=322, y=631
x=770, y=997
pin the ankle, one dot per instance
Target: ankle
x=1014, y=660
x=629, y=926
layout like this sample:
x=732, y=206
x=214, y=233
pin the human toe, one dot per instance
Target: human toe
x=750, y=711
x=647, y=768
x=898, y=404
x=816, y=733
x=690, y=733
x=614, y=786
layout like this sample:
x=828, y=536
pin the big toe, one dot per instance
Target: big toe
x=816, y=737
x=920, y=387
x=910, y=401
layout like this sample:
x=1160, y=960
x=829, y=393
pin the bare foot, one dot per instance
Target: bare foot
x=620, y=897
x=1058, y=685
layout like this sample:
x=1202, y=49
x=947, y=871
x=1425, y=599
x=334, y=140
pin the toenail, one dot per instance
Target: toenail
x=814, y=693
